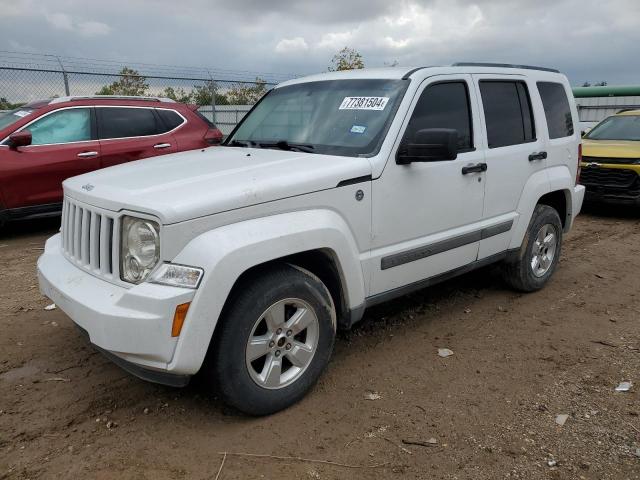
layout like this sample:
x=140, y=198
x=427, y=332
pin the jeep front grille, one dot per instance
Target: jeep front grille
x=89, y=238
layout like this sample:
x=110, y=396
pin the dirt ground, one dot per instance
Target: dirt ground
x=487, y=412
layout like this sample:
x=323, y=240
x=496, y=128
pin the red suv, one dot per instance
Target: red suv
x=45, y=142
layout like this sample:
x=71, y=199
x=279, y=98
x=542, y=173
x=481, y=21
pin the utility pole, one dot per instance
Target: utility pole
x=212, y=87
x=64, y=77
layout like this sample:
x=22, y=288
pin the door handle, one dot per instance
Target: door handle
x=537, y=156
x=477, y=168
x=88, y=154
x=161, y=145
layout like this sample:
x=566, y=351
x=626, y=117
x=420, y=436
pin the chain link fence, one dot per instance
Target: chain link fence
x=222, y=100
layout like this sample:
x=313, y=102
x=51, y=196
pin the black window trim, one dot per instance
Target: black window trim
x=573, y=124
x=155, y=114
x=469, y=103
x=533, y=119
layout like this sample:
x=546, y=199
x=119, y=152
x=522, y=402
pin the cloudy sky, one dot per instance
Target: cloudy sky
x=589, y=40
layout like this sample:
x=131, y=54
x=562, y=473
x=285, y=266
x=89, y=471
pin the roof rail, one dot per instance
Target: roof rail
x=503, y=65
x=73, y=98
x=628, y=109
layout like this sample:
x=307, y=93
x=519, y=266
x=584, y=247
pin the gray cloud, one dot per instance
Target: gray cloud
x=589, y=40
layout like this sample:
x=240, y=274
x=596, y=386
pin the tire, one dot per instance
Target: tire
x=521, y=272
x=256, y=311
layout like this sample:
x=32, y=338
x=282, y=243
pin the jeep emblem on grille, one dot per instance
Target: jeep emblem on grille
x=88, y=187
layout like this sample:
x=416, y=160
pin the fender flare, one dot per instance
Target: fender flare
x=227, y=252
x=539, y=184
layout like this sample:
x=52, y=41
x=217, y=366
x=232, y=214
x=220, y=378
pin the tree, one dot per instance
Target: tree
x=346, y=59
x=130, y=83
x=201, y=94
x=597, y=84
x=247, y=93
x=179, y=95
x=7, y=105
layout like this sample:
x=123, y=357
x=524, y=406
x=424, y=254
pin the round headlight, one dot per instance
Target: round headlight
x=140, y=249
x=142, y=240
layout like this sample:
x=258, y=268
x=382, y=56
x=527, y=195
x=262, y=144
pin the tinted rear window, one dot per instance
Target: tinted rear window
x=170, y=119
x=556, y=109
x=126, y=122
x=507, y=112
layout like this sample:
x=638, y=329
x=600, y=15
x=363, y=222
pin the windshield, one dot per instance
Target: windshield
x=12, y=116
x=622, y=127
x=335, y=117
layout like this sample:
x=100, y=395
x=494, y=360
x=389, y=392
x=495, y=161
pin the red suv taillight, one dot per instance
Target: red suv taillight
x=579, y=162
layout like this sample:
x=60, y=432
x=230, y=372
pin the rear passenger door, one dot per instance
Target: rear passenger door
x=514, y=152
x=131, y=133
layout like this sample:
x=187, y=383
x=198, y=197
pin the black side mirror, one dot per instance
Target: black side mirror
x=429, y=145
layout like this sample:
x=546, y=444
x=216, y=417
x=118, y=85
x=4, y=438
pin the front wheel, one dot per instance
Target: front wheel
x=539, y=254
x=274, y=340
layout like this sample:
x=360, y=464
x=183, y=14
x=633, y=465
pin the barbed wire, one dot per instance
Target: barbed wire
x=48, y=61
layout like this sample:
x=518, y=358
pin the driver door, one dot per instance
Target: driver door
x=426, y=215
x=63, y=145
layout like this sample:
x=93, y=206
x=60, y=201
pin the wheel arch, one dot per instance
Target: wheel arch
x=552, y=187
x=316, y=240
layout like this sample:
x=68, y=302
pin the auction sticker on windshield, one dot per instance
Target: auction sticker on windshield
x=363, y=103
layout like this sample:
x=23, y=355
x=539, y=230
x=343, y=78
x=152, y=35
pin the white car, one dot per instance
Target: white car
x=336, y=192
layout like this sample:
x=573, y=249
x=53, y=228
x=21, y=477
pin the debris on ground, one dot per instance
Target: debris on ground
x=561, y=419
x=444, y=352
x=48, y=308
x=624, y=387
x=552, y=462
x=432, y=442
x=370, y=395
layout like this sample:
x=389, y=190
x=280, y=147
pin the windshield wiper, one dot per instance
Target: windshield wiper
x=284, y=145
x=240, y=143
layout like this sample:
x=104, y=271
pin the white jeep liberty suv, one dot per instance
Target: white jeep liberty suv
x=336, y=192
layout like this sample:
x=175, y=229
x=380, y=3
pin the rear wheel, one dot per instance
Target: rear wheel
x=274, y=340
x=539, y=254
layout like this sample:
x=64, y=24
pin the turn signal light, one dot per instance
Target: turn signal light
x=178, y=319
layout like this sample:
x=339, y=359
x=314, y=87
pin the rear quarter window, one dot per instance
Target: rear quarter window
x=170, y=120
x=556, y=109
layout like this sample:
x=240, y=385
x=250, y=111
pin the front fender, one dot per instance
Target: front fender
x=226, y=252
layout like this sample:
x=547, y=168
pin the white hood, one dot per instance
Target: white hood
x=193, y=184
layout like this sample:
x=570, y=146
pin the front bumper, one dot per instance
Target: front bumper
x=614, y=183
x=132, y=325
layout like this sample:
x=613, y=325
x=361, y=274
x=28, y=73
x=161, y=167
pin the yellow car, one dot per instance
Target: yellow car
x=611, y=159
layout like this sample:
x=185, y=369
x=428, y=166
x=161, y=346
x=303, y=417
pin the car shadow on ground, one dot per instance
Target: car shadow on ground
x=26, y=228
x=611, y=210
